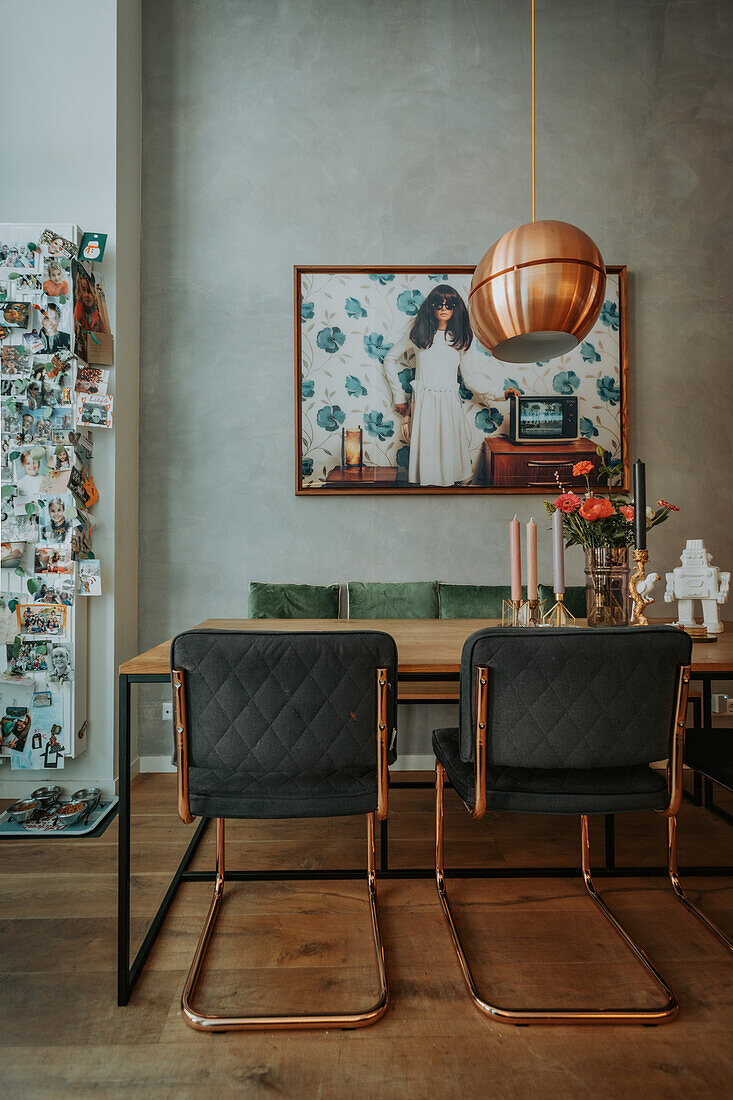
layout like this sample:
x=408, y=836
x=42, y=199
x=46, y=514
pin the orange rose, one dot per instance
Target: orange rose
x=627, y=511
x=594, y=508
x=582, y=469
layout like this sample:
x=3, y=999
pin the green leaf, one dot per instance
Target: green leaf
x=62, y=299
x=14, y=275
x=13, y=455
x=33, y=585
x=42, y=647
x=30, y=507
x=7, y=491
x=12, y=604
x=16, y=645
x=32, y=246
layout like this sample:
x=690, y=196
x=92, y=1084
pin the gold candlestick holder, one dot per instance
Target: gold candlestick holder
x=531, y=613
x=638, y=599
x=558, y=615
x=511, y=611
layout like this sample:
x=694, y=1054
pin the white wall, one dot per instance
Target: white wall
x=87, y=75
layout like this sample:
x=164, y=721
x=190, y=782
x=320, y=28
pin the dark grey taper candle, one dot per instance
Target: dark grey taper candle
x=639, y=505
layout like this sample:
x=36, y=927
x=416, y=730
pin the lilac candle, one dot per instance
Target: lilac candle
x=558, y=552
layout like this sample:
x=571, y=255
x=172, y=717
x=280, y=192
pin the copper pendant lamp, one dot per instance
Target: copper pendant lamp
x=538, y=291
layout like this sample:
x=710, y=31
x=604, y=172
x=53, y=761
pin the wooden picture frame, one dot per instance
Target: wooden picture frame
x=350, y=322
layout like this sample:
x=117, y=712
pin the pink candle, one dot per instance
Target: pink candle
x=515, y=558
x=559, y=555
x=532, y=593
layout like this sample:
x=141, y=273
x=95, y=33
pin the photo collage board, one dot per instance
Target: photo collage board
x=56, y=348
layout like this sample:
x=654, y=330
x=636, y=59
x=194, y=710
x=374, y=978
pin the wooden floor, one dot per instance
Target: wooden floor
x=307, y=946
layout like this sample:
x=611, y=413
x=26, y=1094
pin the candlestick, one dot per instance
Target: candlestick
x=558, y=615
x=511, y=612
x=515, y=560
x=532, y=592
x=639, y=505
x=558, y=551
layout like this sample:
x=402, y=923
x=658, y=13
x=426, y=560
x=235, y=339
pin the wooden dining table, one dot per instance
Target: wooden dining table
x=429, y=661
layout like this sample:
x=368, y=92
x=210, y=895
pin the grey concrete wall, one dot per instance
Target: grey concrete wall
x=347, y=131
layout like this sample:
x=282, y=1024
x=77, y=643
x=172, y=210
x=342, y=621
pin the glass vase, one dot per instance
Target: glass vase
x=607, y=586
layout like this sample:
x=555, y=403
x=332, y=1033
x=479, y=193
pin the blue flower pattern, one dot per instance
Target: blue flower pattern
x=608, y=389
x=488, y=420
x=382, y=279
x=330, y=417
x=354, y=308
x=512, y=384
x=376, y=425
x=589, y=353
x=409, y=302
x=587, y=428
x=375, y=346
x=331, y=339
x=610, y=316
x=406, y=376
x=307, y=467
x=307, y=388
x=307, y=310
x=565, y=382
x=354, y=387
x=402, y=457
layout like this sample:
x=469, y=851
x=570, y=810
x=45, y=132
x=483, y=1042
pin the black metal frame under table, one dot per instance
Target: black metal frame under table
x=127, y=975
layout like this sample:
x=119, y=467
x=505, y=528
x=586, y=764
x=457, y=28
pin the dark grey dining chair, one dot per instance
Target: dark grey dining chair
x=280, y=725
x=568, y=721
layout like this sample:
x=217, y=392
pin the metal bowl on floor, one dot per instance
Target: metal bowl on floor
x=71, y=811
x=48, y=796
x=91, y=795
x=24, y=810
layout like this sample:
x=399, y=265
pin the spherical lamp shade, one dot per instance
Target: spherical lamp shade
x=537, y=292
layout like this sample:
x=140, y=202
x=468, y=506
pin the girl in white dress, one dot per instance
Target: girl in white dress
x=439, y=340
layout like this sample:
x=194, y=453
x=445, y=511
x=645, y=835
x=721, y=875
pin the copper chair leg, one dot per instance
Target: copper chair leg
x=524, y=1016
x=679, y=889
x=204, y=1022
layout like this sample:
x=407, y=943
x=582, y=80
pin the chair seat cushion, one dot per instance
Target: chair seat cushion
x=215, y=793
x=553, y=791
x=711, y=752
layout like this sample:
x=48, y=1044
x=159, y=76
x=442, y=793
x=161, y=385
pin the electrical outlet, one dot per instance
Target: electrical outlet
x=167, y=712
x=730, y=707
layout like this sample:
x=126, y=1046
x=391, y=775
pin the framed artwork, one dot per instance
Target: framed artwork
x=394, y=394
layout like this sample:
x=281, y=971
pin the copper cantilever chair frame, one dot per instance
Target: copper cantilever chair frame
x=525, y=1016
x=210, y=1023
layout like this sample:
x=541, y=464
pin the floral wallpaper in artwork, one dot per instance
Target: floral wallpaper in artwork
x=349, y=323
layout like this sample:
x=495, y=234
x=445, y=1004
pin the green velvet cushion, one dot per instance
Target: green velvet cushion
x=472, y=601
x=406, y=600
x=293, y=601
x=574, y=599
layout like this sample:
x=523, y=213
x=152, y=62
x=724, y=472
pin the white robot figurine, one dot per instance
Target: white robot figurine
x=697, y=579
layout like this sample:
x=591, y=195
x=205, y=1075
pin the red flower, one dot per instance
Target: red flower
x=627, y=511
x=580, y=469
x=568, y=502
x=667, y=505
x=596, y=508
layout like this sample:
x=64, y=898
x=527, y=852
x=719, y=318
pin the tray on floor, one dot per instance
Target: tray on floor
x=51, y=827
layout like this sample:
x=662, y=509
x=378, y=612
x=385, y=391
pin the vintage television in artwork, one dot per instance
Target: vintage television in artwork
x=543, y=419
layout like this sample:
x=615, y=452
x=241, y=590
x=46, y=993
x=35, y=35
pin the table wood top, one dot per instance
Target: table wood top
x=424, y=646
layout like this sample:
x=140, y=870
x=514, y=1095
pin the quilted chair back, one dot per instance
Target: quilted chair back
x=573, y=698
x=272, y=711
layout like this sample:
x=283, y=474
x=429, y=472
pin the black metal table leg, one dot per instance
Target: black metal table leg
x=123, y=845
x=610, y=841
x=384, y=845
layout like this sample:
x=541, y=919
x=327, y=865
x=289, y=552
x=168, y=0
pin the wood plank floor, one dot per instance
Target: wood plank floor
x=307, y=946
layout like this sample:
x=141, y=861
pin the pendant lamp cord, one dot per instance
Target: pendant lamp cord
x=533, y=113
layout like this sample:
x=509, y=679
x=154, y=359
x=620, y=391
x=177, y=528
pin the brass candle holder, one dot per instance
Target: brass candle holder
x=511, y=611
x=638, y=599
x=531, y=613
x=558, y=615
